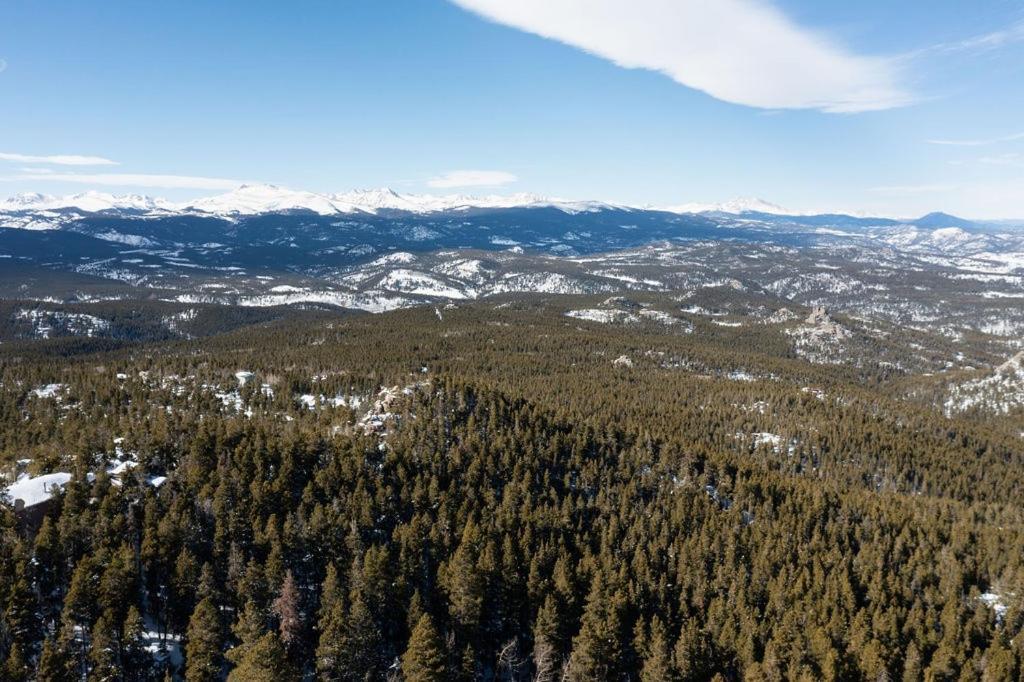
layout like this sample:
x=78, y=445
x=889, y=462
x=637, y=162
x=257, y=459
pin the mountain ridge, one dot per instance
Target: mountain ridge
x=257, y=199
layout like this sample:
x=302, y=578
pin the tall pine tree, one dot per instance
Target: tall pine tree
x=424, y=658
x=265, y=660
x=203, y=658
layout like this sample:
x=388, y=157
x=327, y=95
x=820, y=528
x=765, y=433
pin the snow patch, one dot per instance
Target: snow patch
x=33, y=490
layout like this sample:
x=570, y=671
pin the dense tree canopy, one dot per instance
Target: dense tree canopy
x=519, y=507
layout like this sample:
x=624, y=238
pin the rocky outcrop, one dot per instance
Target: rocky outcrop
x=819, y=323
x=818, y=316
x=1014, y=365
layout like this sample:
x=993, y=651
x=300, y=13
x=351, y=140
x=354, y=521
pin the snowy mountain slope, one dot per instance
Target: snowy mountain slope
x=942, y=239
x=737, y=206
x=565, y=227
x=387, y=199
x=999, y=392
x=256, y=199
x=378, y=249
x=90, y=202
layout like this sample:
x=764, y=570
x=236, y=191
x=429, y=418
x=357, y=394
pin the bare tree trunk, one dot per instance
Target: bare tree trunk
x=545, y=662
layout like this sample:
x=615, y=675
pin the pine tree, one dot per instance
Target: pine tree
x=55, y=663
x=692, y=655
x=80, y=604
x=424, y=658
x=464, y=582
x=203, y=659
x=331, y=627
x=248, y=629
x=264, y=661
x=274, y=567
x=657, y=665
x=137, y=662
x=118, y=583
x=943, y=662
x=360, y=649
x=15, y=668
x=49, y=562
x=22, y=616
x=183, y=589
x=253, y=622
x=207, y=583
x=1000, y=662
x=73, y=641
x=253, y=585
x=912, y=664
x=415, y=610
x=597, y=649
x=103, y=653
x=548, y=643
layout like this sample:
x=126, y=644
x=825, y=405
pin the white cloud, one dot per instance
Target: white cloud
x=471, y=178
x=978, y=142
x=134, y=180
x=3, y=65
x=987, y=41
x=58, y=159
x=1009, y=159
x=741, y=51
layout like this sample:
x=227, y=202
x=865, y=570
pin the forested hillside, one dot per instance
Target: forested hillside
x=520, y=489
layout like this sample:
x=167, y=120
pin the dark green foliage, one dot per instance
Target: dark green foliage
x=16, y=668
x=135, y=660
x=424, y=658
x=598, y=651
x=331, y=628
x=528, y=510
x=104, y=655
x=264, y=660
x=55, y=662
x=657, y=661
x=203, y=659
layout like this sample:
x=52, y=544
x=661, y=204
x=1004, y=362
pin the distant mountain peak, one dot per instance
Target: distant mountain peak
x=940, y=219
x=25, y=200
x=251, y=199
x=939, y=215
x=90, y=201
x=375, y=198
x=737, y=206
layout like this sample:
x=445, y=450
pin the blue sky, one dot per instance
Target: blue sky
x=807, y=104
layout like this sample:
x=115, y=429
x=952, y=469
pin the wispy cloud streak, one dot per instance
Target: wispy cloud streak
x=978, y=142
x=986, y=41
x=133, y=180
x=741, y=51
x=58, y=159
x=471, y=178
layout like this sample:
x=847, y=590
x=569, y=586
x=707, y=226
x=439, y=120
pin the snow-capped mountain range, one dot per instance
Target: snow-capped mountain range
x=376, y=250
x=256, y=199
x=34, y=210
x=90, y=202
x=737, y=206
x=259, y=199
